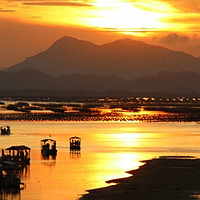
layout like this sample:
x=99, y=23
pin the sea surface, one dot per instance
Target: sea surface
x=108, y=150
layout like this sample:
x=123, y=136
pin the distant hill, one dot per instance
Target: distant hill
x=163, y=82
x=127, y=59
x=168, y=82
x=25, y=79
x=34, y=79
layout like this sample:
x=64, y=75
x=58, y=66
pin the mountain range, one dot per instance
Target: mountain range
x=124, y=65
x=163, y=82
x=127, y=59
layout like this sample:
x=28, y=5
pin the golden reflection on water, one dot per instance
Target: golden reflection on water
x=107, y=151
x=138, y=111
x=67, y=177
x=127, y=139
x=124, y=161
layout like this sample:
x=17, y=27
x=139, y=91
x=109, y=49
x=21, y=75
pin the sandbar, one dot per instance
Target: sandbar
x=162, y=178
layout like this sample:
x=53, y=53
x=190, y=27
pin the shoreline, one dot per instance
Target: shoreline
x=161, y=178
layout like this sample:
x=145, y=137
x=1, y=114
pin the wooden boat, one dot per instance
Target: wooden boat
x=18, y=154
x=8, y=175
x=48, y=147
x=5, y=130
x=75, y=143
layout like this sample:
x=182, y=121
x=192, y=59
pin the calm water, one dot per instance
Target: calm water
x=108, y=150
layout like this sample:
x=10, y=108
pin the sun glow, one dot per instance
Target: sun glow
x=128, y=139
x=125, y=16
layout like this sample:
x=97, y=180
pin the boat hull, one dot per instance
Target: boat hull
x=46, y=152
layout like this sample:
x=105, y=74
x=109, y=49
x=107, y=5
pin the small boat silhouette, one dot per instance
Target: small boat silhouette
x=5, y=130
x=75, y=143
x=48, y=147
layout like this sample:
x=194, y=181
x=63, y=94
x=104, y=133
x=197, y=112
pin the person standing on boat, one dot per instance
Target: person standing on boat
x=54, y=145
x=47, y=146
x=26, y=153
x=2, y=154
x=22, y=155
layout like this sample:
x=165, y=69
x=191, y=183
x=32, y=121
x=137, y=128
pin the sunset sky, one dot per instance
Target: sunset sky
x=30, y=26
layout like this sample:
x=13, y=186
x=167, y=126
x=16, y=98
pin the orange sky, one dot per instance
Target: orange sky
x=30, y=26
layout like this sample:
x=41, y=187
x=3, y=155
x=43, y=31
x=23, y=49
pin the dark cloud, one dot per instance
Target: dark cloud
x=4, y=10
x=179, y=42
x=45, y=3
x=174, y=38
x=84, y=3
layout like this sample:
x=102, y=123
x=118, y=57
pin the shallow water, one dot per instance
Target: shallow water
x=108, y=150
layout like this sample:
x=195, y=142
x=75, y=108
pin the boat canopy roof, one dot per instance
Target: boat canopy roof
x=21, y=147
x=46, y=140
x=75, y=138
x=5, y=126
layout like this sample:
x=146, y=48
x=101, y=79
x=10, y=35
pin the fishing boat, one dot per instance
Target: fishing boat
x=8, y=176
x=5, y=130
x=48, y=147
x=75, y=143
x=18, y=154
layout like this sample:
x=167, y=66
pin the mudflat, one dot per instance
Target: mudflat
x=163, y=178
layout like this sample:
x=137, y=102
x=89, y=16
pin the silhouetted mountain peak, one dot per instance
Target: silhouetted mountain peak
x=67, y=41
x=125, y=42
x=125, y=58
